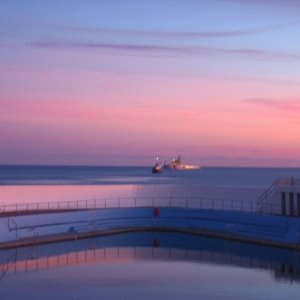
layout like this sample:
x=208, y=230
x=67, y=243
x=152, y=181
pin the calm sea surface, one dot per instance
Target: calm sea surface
x=45, y=183
x=243, y=177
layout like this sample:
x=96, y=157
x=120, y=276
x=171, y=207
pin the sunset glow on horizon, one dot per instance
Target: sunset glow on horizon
x=121, y=82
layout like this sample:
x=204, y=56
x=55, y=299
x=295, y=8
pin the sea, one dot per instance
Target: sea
x=19, y=184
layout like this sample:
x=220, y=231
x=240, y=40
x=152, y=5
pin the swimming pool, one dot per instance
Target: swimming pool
x=149, y=266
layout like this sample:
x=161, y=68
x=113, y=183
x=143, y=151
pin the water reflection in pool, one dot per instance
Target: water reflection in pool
x=149, y=265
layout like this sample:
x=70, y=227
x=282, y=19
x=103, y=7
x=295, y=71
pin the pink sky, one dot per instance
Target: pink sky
x=122, y=91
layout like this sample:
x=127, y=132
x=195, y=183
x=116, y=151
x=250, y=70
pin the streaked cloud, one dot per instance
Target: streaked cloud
x=286, y=105
x=287, y=3
x=8, y=45
x=174, y=34
x=148, y=49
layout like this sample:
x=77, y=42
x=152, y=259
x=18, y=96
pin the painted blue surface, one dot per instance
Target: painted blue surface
x=275, y=228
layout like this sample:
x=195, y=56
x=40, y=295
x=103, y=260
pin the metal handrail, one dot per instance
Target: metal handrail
x=267, y=193
x=273, y=188
x=104, y=203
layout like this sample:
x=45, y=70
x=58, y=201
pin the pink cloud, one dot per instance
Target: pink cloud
x=285, y=105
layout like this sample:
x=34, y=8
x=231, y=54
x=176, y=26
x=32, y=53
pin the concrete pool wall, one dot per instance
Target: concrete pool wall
x=279, y=231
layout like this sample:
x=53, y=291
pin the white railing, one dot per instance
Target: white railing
x=174, y=202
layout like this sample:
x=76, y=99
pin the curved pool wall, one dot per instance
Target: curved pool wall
x=242, y=226
x=284, y=264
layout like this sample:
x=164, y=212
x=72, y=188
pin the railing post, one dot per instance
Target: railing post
x=298, y=204
x=118, y=202
x=86, y=204
x=16, y=230
x=291, y=203
x=105, y=203
x=283, y=204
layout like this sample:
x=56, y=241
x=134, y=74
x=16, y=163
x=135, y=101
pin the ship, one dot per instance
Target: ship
x=176, y=164
x=157, y=167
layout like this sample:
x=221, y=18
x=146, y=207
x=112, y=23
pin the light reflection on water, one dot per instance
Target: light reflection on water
x=147, y=280
x=11, y=194
x=45, y=183
x=53, y=193
x=152, y=265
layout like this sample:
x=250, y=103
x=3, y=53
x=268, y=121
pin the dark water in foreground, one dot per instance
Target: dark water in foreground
x=149, y=266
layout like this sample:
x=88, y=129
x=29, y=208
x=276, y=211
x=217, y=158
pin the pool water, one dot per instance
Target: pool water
x=149, y=266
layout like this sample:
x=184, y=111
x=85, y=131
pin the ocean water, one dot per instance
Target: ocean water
x=81, y=175
x=19, y=184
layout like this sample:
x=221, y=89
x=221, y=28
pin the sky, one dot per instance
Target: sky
x=88, y=82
